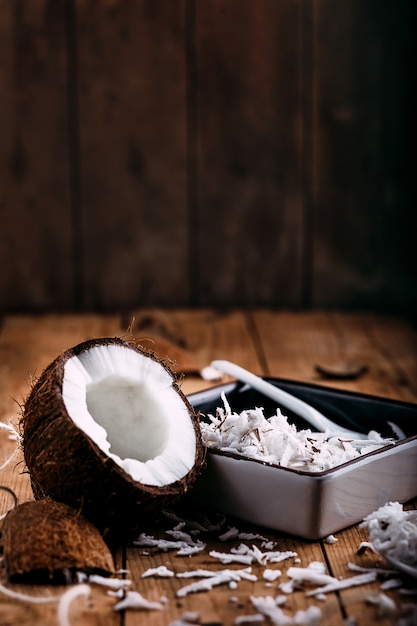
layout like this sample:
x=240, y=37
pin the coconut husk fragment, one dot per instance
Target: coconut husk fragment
x=348, y=369
x=49, y=542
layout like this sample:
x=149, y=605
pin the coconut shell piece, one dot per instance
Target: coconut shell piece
x=48, y=542
x=67, y=465
x=341, y=370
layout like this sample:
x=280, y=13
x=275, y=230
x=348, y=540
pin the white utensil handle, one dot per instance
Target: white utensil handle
x=297, y=406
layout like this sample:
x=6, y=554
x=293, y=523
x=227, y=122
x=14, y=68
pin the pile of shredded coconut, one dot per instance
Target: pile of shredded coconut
x=393, y=532
x=274, y=441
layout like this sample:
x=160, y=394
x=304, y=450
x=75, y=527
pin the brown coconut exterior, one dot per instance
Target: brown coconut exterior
x=66, y=465
x=48, y=542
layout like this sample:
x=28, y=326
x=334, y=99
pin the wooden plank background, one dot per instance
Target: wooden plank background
x=213, y=152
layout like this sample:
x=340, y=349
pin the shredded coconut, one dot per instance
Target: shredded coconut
x=393, y=532
x=269, y=607
x=313, y=574
x=330, y=539
x=386, y=606
x=345, y=583
x=134, y=600
x=245, y=554
x=230, y=534
x=225, y=576
x=197, y=573
x=203, y=525
x=249, y=619
x=189, y=618
x=271, y=574
x=184, y=548
x=111, y=583
x=27, y=598
x=66, y=600
x=162, y=571
x=274, y=441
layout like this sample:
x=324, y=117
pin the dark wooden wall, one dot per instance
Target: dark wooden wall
x=207, y=152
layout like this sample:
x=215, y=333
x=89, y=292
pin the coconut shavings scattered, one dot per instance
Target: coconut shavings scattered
x=135, y=600
x=245, y=554
x=330, y=539
x=393, y=532
x=275, y=441
x=249, y=619
x=16, y=595
x=13, y=435
x=65, y=601
x=162, y=571
x=110, y=583
x=315, y=574
x=184, y=548
x=386, y=606
x=188, y=618
x=345, y=583
x=269, y=607
x=271, y=574
x=233, y=533
x=226, y=576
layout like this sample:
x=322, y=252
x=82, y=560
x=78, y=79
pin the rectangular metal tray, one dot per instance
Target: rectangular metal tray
x=311, y=505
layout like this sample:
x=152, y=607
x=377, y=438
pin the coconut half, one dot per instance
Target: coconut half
x=107, y=430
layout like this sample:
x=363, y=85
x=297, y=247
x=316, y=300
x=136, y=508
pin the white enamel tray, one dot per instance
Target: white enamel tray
x=311, y=505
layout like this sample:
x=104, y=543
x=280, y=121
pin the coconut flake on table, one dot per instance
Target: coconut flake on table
x=249, y=619
x=111, y=583
x=222, y=577
x=162, y=572
x=315, y=574
x=135, y=600
x=273, y=440
x=269, y=607
x=184, y=548
x=393, y=532
x=245, y=554
x=386, y=606
x=344, y=583
x=188, y=618
x=330, y=539
x=271, y=574
x=234, y=533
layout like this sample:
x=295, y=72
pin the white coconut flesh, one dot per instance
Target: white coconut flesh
x=125, y=402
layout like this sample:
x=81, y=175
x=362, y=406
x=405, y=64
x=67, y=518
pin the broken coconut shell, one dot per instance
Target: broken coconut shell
x=49, y=542
x=107, y=430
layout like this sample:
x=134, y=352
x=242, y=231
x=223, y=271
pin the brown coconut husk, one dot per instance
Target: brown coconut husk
x=67, y=466
x=49, y=542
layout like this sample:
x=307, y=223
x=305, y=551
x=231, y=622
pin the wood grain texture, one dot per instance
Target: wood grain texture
x=214, y=153
x=36, y=224
x=364, y=226
x=281, y=344
x=250, y=202
x=294, y=343
x=133, y=152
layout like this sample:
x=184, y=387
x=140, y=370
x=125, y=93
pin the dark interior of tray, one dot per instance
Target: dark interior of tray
x=360, y=412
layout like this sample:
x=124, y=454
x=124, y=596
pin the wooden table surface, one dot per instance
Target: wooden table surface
x=282, y=344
